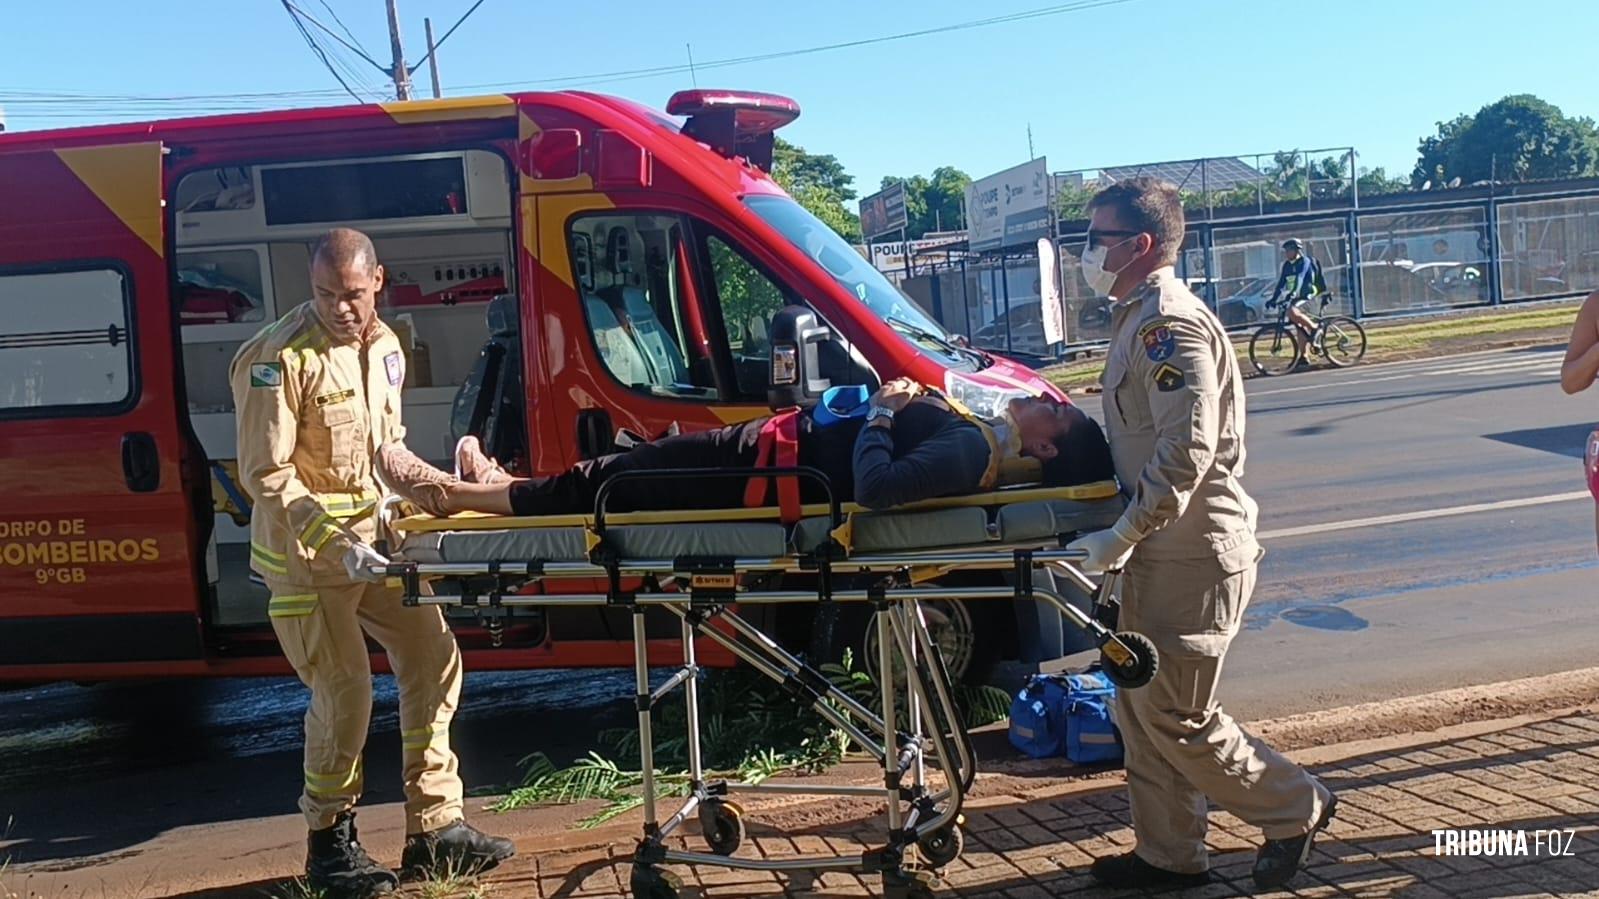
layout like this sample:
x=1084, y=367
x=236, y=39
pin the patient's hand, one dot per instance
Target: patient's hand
x=896, y=394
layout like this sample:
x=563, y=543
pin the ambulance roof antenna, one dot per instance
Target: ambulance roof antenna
x=1030, y=156
x=692, y=77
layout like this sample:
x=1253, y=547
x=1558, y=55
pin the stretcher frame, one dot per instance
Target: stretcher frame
x=919, y=813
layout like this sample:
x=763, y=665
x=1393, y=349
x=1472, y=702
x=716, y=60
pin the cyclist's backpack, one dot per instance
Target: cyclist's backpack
x=1316, y=278
x=1066, y=715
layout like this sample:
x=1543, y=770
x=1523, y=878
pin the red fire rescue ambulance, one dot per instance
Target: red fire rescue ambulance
x=562, y=268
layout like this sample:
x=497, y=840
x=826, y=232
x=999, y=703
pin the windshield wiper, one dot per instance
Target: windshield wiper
x=943, y=341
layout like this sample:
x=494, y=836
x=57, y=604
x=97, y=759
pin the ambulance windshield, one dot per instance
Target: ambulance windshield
x=854, y=273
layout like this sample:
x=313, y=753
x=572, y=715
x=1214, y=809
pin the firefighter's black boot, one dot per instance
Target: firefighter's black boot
x=337, y=866
x=455, y=850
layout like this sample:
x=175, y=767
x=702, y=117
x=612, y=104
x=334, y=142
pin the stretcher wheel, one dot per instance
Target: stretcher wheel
x=907, y=885
x=1135, y=671
x=942, y=846
x=651, y=883
x=723, y=825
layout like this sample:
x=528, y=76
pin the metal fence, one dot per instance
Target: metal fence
x=1411, y=254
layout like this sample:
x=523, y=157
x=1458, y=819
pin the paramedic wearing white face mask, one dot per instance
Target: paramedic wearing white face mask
x=1174, y=413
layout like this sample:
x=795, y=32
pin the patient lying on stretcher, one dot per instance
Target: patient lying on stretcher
x=927, y=448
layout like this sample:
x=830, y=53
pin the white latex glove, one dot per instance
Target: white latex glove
x=1107, y=549
x=357, y=559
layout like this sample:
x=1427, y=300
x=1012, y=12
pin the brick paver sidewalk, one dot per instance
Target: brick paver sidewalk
x=1536, y=777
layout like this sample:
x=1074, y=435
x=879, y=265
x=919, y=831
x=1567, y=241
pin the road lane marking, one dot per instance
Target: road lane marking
x=1497, y=366
x=1255, y=393
x=1510, y=367
x=1424, y=514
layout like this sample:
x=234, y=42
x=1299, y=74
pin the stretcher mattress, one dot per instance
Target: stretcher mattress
x=1008, y=517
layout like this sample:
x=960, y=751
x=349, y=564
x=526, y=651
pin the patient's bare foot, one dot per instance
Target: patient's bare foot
x=472, y=466
x=413, y=479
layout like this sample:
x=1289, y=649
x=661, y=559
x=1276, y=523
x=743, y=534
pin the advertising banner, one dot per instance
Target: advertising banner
x=884, y=212
x=1010, y=208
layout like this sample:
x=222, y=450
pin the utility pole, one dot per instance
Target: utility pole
x=433, y=57
x=402, y=77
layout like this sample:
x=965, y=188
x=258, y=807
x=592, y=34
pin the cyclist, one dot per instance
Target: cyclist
x=1301, y=279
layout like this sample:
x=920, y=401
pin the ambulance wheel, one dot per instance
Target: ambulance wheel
x=1136, y=671
x=942, y=846
x=723, y=825
x=651, y=883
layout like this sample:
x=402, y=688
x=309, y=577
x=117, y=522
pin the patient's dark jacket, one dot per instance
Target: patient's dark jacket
x=930, y=451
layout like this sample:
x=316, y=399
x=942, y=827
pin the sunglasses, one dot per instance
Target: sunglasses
x=1089, y=238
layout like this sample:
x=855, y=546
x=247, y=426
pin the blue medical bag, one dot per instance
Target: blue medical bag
x=1066, y=715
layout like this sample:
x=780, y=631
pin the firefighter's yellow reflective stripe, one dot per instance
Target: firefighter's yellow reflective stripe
x=321, y=531
x=342, y=505
x=421, y=737
x=273, y=563
x=296, y=606
x=335, y=783
x=127, y=179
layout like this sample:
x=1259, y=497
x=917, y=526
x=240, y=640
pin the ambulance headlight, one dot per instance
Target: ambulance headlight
x=985, y=400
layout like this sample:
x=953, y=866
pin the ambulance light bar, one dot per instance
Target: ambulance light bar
x=734, y=123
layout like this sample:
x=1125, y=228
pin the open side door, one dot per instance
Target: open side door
x=99, y=537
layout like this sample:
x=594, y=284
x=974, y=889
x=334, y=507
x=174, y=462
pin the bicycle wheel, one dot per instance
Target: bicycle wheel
x=1343, y=340
x=1274, y=349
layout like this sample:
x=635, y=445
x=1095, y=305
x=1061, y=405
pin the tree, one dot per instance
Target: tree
x=791, y=165
x=1376, y=181
x=1517, y=138
x=820, y=184
x=1433, y=151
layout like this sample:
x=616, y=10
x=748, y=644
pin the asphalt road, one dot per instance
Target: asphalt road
x=1479, y=568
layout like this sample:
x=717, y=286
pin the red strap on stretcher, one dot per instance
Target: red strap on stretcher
x=777, y=447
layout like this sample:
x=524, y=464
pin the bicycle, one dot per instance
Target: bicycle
x=1279, y=347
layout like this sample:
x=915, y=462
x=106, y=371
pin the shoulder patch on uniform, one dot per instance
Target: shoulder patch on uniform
x=1159, y=344
x=394, y=364
x=266, y=374
x=1168, y=377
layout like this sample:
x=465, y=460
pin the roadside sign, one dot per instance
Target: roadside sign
x=884, y=211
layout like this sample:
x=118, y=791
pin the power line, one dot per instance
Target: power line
x=631, y=74
x=311, y=42
x=333, y=34
x=440, y=41
x=340, y=22
x=264, y=99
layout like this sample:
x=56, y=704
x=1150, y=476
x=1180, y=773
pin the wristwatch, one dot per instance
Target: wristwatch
x=883, y=412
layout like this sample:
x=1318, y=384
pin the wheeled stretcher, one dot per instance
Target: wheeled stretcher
x=703, y=566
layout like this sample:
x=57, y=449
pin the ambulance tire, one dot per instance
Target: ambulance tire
x=969, y=634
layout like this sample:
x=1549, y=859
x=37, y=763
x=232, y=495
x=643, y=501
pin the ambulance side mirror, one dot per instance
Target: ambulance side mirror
x=795, y=378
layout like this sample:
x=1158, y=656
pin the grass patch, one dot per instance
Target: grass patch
x=1390, y=340
x=298, y=888
x=750, y=731
x=450, y=884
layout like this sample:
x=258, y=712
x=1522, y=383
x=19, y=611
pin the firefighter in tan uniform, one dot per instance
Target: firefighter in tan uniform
x=1174, y=413
x=316, y=394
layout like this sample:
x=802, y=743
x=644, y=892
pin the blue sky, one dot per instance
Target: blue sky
x=1135, y=81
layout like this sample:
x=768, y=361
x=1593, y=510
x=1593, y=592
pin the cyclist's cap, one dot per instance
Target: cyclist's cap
x=1291, y=243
